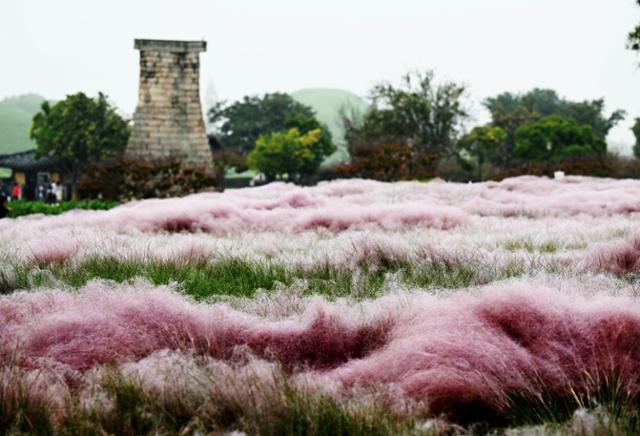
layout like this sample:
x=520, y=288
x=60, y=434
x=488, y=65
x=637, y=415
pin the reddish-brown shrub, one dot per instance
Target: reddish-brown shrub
x=610, y=166
x=126, y=179
x=388, y=162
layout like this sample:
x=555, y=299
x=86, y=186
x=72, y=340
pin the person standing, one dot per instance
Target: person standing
x=3, y=209
x=16, y=192
x=50, y=197
x=57, y=191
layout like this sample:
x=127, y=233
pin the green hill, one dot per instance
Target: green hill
x=14, y=130
x=16, y=114
x=327, y=103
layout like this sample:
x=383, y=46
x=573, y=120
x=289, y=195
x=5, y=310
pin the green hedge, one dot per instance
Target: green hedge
x=22, y=207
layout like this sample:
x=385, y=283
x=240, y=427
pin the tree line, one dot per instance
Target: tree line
x=410, y=131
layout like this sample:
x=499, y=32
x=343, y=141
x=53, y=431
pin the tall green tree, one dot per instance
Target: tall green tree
x=511, y=111
x=421, y=114
x=592, y=113
x=552, y=138
x=508, y=113
x=636, y=132
x=78, y=131
x=321, y=149
x=485, y=144
x=238, y=126
x=289, y=153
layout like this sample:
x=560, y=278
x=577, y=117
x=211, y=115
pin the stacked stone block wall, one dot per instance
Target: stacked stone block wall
x=168, y=121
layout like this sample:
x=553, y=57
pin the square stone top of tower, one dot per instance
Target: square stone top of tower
x=164, y=45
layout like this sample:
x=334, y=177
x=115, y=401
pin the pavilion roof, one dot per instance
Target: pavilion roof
x=27, y=161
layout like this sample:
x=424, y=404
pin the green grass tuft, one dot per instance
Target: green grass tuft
x=203, y=279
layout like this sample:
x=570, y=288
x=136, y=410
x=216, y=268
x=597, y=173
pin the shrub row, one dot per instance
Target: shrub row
x=609, y=166
x=23, y=207
x=126, y=179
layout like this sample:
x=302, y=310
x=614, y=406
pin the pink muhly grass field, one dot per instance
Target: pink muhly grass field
x=340, y=222
x=461, y=355
x=343, y=205
x=566, y=326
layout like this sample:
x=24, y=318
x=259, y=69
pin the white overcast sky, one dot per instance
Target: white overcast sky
x=254, y=46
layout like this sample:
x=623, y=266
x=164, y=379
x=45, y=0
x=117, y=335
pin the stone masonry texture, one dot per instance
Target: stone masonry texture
x=168, y=120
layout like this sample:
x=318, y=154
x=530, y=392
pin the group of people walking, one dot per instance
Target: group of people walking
x=50, y=192
x=13, y=193
x=47, y=192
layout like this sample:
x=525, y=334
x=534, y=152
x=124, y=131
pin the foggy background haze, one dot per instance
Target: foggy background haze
x=576, y=47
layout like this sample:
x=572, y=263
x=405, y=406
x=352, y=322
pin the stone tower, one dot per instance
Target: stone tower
x=168, y=119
